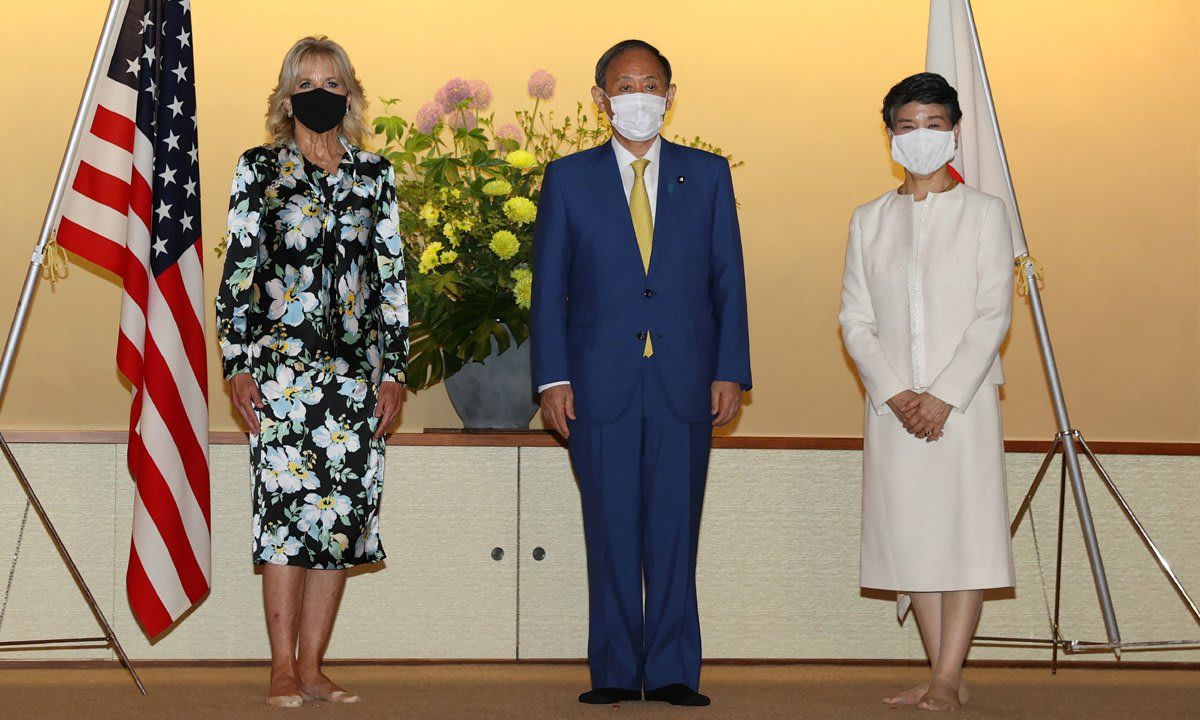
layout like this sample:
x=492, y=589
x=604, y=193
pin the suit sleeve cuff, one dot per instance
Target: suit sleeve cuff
x=543, y=388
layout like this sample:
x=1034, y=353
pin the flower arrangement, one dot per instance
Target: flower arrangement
x=467, y=192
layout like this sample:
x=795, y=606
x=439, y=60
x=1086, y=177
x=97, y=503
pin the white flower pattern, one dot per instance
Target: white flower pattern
x=313, y=303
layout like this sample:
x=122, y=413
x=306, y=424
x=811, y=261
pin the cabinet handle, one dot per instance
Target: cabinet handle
x=539, y=553
x=498, y=554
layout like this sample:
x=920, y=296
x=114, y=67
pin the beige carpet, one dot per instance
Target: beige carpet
x=536, y=692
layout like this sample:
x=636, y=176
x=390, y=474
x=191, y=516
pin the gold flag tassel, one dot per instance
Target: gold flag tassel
x=1039, y=273
x=54, y=261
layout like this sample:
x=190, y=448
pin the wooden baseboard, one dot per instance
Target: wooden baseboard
x=437, y=437
x=741, y=662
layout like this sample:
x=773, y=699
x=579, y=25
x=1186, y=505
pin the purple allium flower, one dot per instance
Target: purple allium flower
x=509, y=131
x=481, y=95
x=462, y=120
x=454, y=92
x=428, y=117
x=541, y=85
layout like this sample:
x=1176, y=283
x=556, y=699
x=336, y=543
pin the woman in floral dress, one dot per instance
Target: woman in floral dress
x=312, y=319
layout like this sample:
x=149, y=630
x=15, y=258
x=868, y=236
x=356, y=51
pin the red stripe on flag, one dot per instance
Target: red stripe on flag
x=170, y=284
x=143, y=598
x=164, y=392
x=160, y=505
x=141, y=198
x=103, y=188
x=114, y=128
x=91, y=246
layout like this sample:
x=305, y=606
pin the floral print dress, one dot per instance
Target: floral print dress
x=313, y=304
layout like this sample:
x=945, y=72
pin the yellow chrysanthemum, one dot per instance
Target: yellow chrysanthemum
x=451, y=232
x=429, y=214
x=523, y=287
x=504, y=244
x=497, y=187
x=520, y=210
x=429, y=257
x=465, y=224
x=521, y=159
x=448, y=257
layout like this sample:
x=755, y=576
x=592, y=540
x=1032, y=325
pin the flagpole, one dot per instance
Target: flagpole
x=1065, y=431
x=97, y=71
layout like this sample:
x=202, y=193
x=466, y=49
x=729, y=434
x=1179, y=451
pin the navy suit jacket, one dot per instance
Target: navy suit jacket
x=593, y=301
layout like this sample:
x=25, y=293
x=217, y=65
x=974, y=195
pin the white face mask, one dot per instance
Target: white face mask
x=638, y=116
x=923, y=151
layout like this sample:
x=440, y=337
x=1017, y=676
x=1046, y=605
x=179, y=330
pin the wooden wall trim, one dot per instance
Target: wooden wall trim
x=96, y=664
x=436, y=437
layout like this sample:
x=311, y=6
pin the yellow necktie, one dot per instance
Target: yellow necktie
x=643, y=224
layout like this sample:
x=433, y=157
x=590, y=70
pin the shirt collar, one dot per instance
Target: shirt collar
x=626, y=158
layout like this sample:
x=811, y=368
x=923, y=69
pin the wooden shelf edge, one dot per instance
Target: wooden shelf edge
x=535, y=438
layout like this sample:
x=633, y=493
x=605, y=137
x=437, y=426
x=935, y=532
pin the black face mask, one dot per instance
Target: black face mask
x=319, y=110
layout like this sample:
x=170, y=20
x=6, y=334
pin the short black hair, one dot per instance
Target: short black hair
x=623, y=46
x=925, y=88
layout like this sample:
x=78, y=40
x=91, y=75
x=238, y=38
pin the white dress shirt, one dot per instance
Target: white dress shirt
x=625, y=161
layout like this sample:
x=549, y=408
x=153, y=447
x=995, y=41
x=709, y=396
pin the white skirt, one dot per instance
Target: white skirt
x=935, y=515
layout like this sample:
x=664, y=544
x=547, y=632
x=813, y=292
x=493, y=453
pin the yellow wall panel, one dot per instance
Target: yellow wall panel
x=1098, y=103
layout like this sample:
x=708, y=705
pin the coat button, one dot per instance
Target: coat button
x=642, y=335
x=648, y=293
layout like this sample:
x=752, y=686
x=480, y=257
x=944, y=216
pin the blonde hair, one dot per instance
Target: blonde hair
x=353, y=127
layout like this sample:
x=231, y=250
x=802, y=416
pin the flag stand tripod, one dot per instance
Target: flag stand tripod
x=1070, y=442
x=109, y=639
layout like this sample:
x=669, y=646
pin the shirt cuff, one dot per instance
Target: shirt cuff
x=547, y=386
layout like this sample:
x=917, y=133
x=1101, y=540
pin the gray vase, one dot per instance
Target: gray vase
x=496, y=393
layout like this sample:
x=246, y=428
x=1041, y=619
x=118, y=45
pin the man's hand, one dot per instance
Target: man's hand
x=388, y=405
x=558, y=405
x=927, y=415
x=726, y=401
x=246, y=399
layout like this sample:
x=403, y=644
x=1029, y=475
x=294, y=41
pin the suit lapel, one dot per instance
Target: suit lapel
x=664, y=205
x=614, y=208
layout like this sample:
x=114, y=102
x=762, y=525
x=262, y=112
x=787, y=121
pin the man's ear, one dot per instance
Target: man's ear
x=601, y=101
x=957, y=128
x=670, y=95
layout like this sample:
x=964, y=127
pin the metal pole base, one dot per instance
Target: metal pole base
x=1057, y=642
x=109, y=640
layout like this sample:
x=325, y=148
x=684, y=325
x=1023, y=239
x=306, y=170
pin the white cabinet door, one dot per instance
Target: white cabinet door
x=778, y=566
x=553, y=606
x=439, y=594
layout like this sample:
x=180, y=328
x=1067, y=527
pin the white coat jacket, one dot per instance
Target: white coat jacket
x=927, y=294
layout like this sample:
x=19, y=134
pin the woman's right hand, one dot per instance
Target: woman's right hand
x=246, y=399
x=900, y=403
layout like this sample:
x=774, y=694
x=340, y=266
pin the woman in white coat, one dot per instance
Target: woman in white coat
x=926, y=302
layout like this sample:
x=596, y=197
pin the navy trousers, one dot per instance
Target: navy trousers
x=641, y=480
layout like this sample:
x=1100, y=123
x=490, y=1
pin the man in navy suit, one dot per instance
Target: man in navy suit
x=640, y=348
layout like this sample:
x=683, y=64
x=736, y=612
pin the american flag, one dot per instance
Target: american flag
x=134, y=209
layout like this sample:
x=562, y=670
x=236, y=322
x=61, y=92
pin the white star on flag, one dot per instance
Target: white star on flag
x=168, y=176
x=176, y=107
x=172, y=141
x=163, y=211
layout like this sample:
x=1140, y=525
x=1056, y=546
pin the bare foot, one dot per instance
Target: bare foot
x=285, y=689
x=940, y=698
x=913, y=695
x=319, y=687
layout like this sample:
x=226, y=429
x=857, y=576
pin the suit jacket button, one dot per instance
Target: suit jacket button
x=649, y=293
x=642, y=335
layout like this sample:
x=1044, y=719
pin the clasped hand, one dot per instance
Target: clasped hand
x=922, y=414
